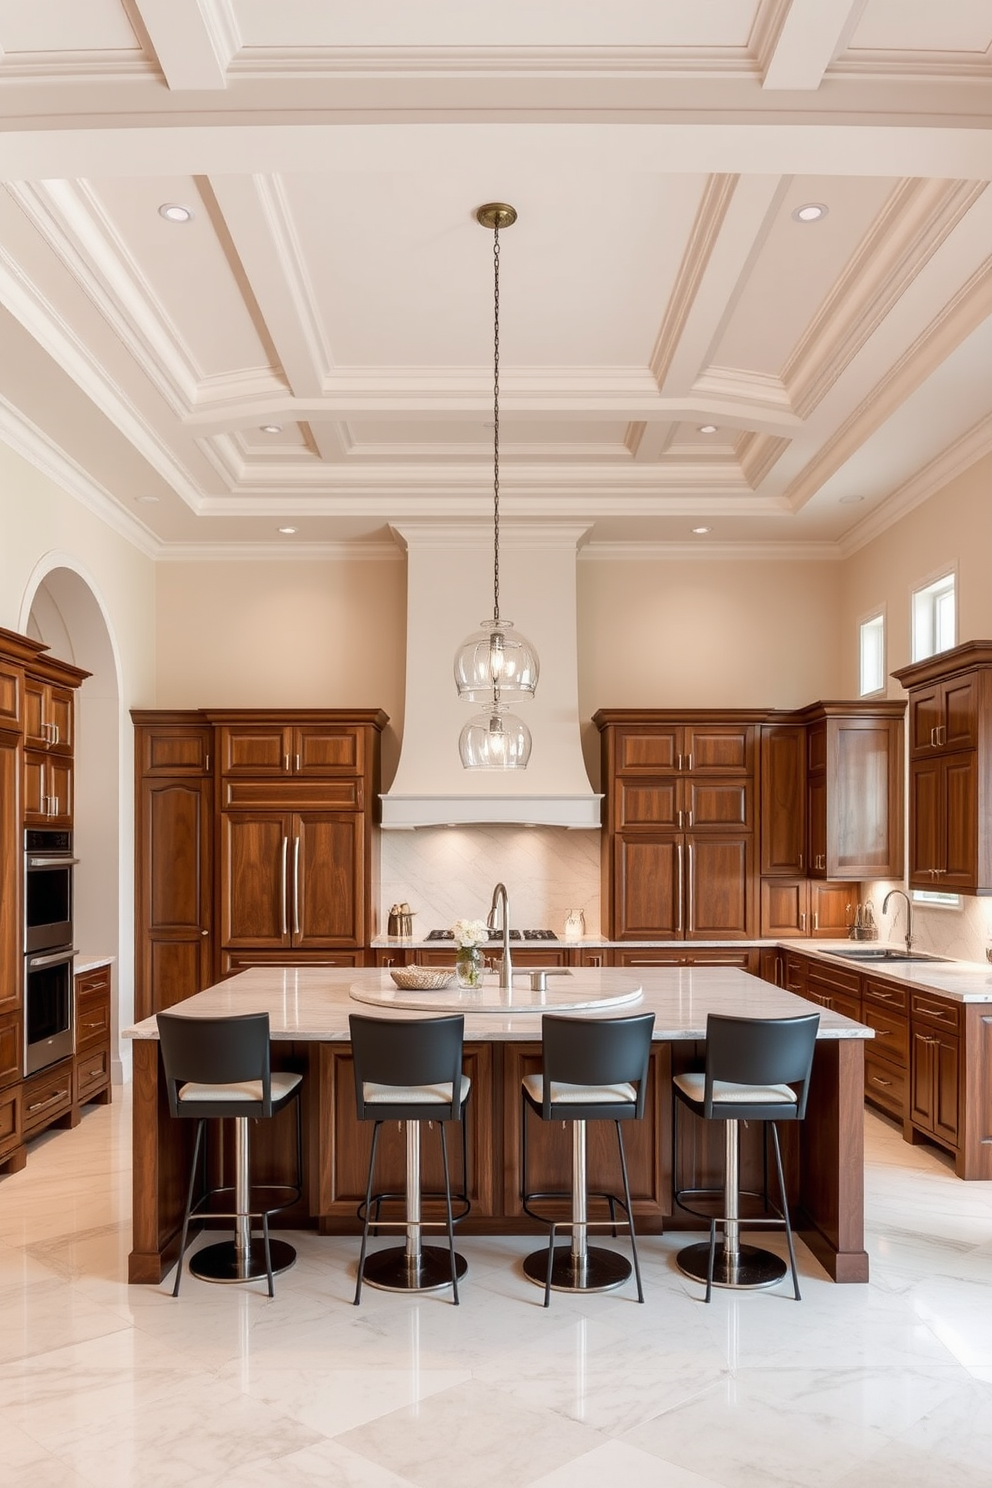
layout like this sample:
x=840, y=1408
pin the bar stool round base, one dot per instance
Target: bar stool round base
x=603, y=1271
x=750, y=1269
x=222, y=1262
x=391, y=1270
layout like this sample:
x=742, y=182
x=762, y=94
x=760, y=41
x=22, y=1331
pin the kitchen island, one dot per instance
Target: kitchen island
x=308, y=1010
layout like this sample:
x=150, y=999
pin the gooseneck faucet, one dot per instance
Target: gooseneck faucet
x=501, y=902
x=909, y=915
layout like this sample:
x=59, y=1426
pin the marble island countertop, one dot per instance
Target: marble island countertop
x=312, y=1004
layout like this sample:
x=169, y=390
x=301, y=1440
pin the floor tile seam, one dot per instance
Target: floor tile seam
x=47, y=1452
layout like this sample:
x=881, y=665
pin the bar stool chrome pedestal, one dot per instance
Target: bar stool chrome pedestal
x=592, y=1070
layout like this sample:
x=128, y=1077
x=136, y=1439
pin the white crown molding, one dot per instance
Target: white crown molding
x=710, y=217
x=704, y=552
x=915, y=67
x=292, y=261
x=286, y=552
x=953, y=461
x=28, y=441
x=743, y=385
x=194, y=40
x=493, y=62
x=466, y=533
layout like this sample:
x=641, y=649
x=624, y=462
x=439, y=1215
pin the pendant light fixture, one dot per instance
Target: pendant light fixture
x=496, y=663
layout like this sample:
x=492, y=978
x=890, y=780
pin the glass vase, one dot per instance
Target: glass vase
x=468, y=966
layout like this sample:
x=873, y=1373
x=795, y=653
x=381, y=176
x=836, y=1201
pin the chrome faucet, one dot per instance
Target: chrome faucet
x=501, y=900
x=909, y=915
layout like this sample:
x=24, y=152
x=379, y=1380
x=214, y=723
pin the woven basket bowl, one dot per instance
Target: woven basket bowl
x=422, y=978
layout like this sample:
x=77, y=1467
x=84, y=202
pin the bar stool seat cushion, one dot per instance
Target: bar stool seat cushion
x=282, y=1082
x=726, y=1092
x=375, y=1094
x=565, y=1094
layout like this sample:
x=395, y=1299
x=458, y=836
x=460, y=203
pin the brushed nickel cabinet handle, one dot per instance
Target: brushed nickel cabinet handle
x=297, y=764
x=206, y=765
x=933, y=738
x=51, y=1101
x=688, y=763
x=285, y=854
x=942, y=734
x=876, y=1081
x=296, y=885
x=816, y=921
x=285, y=763
x=680, y=816
x=800, y=862
x=802, y=920
x=679, y=764
x=58, y=734
x=678, y=849
x=691, y=925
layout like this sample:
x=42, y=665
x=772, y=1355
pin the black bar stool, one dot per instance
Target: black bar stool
x=757, y=1069
x=410, y=1072
x=593, y=1069
x=216, y=1068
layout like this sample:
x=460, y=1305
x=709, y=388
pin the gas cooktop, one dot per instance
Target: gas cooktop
x=498, y=935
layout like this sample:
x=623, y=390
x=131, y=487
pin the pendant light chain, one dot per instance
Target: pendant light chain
x=496, y=422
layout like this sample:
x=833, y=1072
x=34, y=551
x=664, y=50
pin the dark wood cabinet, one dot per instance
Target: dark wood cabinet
x=678, y=846
x=950, y=780
x=795, y=907
x=255, y=836
x=783, y=800
x=91, y=1072
x=854, y=801
x=11, y=873
x=935, y=1052
x=48, y=716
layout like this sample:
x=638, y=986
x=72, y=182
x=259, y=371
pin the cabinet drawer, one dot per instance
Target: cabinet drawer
x=894, y=995
x=935, y=1010
x=11, y=1120
x=891, y=1033
x=835, y=978
x=92, y=1073
x=92, y=1020
x=886, y=1083
x=291, y=793
x=47, y=1095
x=88, y=983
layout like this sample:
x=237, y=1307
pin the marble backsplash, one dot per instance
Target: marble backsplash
x=963, y=934
x=448, y=873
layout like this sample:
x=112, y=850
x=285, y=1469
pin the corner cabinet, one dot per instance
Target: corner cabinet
x=679, y=840
x=950, y=769
x=270, y=817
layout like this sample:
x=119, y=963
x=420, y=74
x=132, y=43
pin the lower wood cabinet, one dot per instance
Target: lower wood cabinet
x=935, y=1053
x=231, y=962
x=48, y=1097
x=91, y=1074
x=793, y=907
x=12, y=1127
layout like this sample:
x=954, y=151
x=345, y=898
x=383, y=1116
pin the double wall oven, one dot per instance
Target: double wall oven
x=48, y=948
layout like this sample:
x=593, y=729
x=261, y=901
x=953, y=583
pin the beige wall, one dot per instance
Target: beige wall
x=953, y=528
x=284, y=634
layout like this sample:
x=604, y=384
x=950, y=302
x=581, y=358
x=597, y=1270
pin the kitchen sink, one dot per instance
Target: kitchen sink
x=885, y=953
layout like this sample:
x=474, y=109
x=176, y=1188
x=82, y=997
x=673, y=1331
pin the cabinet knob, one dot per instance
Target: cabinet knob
x=204, y=932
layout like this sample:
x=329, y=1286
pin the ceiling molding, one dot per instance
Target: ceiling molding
x=757, y=454
x=749, y=387
x=679, y=552
x=912, y=67
x=194, y=41
x=914, y=222
x=809, y=36
x=953, y=461
x=286, y=552
x=963, y=312
x=493, y=62
x=28, y=441
x=710, y=214
x=766, y=28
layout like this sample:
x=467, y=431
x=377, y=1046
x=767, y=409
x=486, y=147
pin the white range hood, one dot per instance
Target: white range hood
x=449, y=591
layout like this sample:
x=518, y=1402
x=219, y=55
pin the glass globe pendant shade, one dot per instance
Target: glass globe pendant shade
x=496, y=657
x=495, y=740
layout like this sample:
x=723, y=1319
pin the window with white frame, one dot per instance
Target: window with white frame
x=934, y=618
x=873, y=654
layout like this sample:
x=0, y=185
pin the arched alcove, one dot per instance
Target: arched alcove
x=63, y=611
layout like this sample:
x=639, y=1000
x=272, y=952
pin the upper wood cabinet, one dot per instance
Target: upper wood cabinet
x=783, y=800
x=950, y=773
x=48, y=716
x=274, y=749
x=854, y=790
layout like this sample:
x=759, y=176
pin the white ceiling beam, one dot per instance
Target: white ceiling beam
x=194, y=41
x=813, y=33
x=262, y=234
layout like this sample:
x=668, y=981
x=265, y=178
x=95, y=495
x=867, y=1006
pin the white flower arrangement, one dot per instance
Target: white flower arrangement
x=470, y=932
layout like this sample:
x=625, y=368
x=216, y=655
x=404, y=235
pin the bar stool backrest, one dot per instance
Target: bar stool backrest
x=216, y=1051
x=421, y=1051
x=761, y=1052
x=596, y=1051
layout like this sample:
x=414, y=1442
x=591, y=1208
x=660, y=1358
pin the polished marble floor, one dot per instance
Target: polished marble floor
x=104, y=1384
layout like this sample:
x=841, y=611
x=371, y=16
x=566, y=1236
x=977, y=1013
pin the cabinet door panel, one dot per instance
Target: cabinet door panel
x=783, y=801
x=718, y=749
x=830, y=908
x=172, y=970
x=254, y=879
x=649, y=751
x=921, y=1080
x=925, y=811
x=717, y=803
x=959, y=713
x=784, y=907
x=255, y=750
x=59, y=710
x=945, y=1097
x=323, y=751
x=11, y=695
x=960, y=823
x=649, y=873
x=718, y=886
x=327, y=883
x=816, y=825
x=34, y=714
x=11, y=877
x=175, y=868
x=647, y=803
x=925, y=715
x=175, y=750
x=59, y=781
x=864, y=803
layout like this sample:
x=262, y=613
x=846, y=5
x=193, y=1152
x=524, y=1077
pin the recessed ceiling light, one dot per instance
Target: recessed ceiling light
x=147, y=500
x=173, y=212
x=700, y=530
x=850, y=500
x=810, y=212
x=707, y=428
x=287, y=531
x=271, y=428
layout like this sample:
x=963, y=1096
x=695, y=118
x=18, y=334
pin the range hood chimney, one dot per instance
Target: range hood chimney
x=447, y=595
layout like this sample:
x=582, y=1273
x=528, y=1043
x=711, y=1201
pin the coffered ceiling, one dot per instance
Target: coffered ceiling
x=333, y=284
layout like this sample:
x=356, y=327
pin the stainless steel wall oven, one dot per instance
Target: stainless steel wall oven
x=48, y=991
x=48, y=865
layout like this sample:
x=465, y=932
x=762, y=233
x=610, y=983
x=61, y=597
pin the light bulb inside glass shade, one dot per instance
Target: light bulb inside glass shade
x=496, y=655
x=495, y=740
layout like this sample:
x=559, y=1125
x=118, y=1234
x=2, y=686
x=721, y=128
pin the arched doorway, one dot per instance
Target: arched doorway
x=62, y=610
